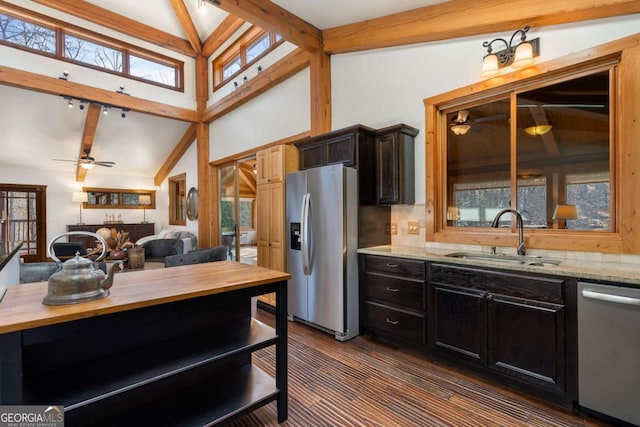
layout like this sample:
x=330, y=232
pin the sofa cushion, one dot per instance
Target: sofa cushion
x=37, y=271
x=217, y=253
x=156, y=250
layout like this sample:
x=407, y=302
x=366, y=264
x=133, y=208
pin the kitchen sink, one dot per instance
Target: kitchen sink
x=512, y=259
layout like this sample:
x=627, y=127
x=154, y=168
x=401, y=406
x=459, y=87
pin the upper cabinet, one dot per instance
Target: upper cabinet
x=395, y=167
x=274, y=163
x=339, y=146
x=384, y=159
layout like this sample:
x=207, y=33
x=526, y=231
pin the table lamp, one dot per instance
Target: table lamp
x=80, y=197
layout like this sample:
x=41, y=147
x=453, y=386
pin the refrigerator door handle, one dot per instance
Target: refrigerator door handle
x=304, y=231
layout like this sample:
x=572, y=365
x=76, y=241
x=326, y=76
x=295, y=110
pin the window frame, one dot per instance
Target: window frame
x=436, y=108
x=239, y=47
x=62, y=28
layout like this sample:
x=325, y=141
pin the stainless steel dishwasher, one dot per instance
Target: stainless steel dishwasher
x=609, y=350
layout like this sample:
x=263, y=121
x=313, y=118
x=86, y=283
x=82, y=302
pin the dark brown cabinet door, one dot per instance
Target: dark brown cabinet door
x=526, y=341
x=311, y=156
x=395, y=169
x=458, y=323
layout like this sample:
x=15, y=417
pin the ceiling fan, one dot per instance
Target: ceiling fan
x=461, y=123
x=87, y=162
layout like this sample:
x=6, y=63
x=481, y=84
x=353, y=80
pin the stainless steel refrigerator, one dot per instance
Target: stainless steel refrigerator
x=322, y=241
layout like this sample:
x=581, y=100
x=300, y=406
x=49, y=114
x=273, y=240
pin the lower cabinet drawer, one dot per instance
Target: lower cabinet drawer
x=395, y=291
x=396, y=324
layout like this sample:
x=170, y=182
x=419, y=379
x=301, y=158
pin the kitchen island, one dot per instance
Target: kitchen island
x=167, y=347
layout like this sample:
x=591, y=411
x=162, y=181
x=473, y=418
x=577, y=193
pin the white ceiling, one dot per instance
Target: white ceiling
x=139, y=144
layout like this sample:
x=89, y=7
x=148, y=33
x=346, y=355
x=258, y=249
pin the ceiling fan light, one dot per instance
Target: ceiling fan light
x=523, y=56
x=538, y=130
x=489, y=66
x=460, y=129
x=86, y=166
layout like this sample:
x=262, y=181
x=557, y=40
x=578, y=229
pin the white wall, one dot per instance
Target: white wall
x=387, y=86
x=188, y=165
x=279, y=113
x=60, y=187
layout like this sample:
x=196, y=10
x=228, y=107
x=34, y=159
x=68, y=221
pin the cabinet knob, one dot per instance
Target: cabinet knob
x=392, y=289
x=391, y=265
x=393, y=322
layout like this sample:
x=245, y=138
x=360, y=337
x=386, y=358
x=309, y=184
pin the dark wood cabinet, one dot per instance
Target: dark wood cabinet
x=511, y=325
x=393, y=299
x=339, y=146
x=136, y=231
x=395, y=167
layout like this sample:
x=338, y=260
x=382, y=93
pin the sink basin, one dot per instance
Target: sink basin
x=512, y=259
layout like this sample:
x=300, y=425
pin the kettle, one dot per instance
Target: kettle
x=79, y=280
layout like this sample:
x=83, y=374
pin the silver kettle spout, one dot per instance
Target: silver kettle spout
x=107, y=282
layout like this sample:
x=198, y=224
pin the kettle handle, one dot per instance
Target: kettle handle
x=71, y=233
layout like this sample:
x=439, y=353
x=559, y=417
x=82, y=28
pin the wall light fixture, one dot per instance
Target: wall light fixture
x=518, y=55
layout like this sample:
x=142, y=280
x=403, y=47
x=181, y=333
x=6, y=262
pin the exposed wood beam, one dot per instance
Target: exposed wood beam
x=246, y=177
x=464, y=18
x=187, y=25
x=320, y=75
x=280, y=71
x=271, y=17
x=98, y=15
x=208, y=225
x=178, y=151
x=90, y=126
x=27, y=80
x=224, y=31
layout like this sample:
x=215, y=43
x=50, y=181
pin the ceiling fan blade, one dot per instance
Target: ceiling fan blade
x=490, y=118
x=65, y=160
x=106, y=164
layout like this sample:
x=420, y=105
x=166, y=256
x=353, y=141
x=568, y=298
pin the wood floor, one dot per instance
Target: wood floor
x=364, y=383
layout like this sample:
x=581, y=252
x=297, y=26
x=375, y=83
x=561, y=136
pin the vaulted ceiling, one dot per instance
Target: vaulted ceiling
x=141, y=143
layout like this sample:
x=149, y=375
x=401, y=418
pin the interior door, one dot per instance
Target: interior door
x=238, y=219
x=23, y=218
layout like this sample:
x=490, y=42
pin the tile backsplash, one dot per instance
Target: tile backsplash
x=402, y=215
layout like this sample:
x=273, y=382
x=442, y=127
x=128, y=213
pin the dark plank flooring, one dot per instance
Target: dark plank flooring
x=365, y=383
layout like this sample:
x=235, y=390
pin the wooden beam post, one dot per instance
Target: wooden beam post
x=320, y=72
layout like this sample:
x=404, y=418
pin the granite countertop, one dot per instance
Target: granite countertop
x=7, y=251
x=582, y=269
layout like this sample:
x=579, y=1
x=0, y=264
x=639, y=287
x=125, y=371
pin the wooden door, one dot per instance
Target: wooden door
x=277, y=241
x=23, y=218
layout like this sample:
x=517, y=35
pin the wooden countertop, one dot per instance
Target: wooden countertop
x=22, y=306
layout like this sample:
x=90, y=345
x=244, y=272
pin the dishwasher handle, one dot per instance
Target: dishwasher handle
x=618, y=299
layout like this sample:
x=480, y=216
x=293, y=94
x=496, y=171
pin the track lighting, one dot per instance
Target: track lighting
x=244, y=79
x=121, y=90
x=259, y=69
x=64, y=76
x=235, y=84
x=82, y=103
x=519, y=55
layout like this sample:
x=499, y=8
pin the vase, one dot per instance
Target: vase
x=117, y=254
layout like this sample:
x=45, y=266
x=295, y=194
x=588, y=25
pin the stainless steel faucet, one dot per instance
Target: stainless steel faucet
x=519, y=226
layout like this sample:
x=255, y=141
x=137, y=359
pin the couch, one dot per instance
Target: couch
x=37, y=271
x=189, y=240
x=157, y=249
x=217, y=253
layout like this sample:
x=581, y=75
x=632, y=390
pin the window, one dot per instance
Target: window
x=89, y=49
x=246, y=51
x=88, y=52
x=115, y=198
x=27, y=34
x=562, y=152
